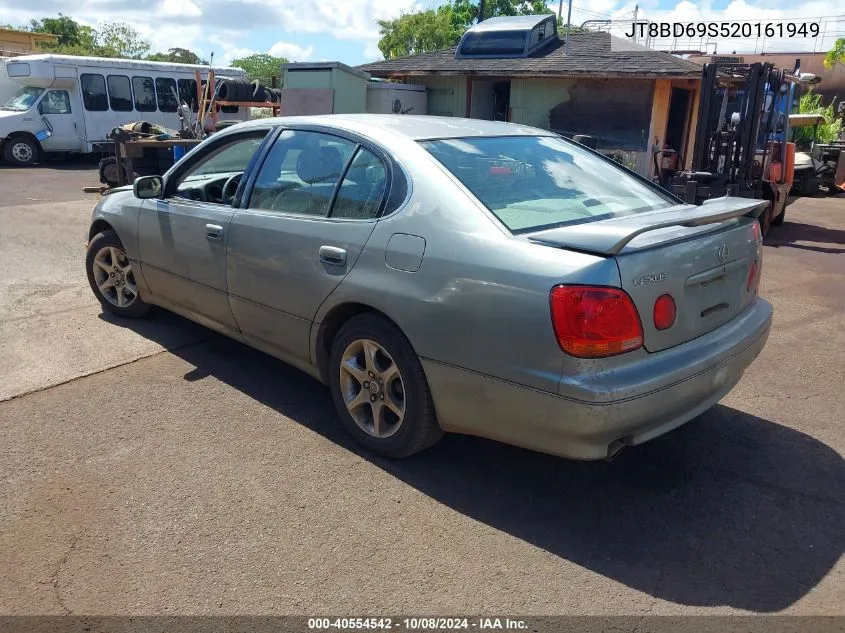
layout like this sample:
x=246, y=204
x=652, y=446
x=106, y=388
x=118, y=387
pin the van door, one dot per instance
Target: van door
x=56, y=110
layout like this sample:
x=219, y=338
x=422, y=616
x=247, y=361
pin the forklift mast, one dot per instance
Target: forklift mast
x=732, y=144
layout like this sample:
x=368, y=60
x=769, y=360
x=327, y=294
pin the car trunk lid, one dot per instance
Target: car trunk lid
x=701, y=256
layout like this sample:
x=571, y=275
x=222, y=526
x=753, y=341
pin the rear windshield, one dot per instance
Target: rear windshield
x=537, y=182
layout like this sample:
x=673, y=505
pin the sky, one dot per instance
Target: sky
x=347, y=30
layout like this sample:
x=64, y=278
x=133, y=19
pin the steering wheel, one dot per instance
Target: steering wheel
x=232, y=183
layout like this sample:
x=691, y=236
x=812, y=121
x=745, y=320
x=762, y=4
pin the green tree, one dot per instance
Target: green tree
x=433, y=29
x=119, y=39
x=262, y=66
x=413, y=33
x=177, y=56
x=835, y=55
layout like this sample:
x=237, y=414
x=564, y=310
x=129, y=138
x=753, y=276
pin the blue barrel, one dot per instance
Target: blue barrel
x=178, y=152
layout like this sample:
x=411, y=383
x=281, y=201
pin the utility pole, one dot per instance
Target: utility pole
x=636, y=10
x=568, y=22
x=560, y=10
x=481, y=10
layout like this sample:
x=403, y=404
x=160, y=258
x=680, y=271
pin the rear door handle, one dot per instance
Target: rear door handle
x=213, y=231
x=333, y=255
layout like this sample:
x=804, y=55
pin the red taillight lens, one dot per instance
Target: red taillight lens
x=664, y=312
x=758, y=235
x=593, y=322
x=752, y=277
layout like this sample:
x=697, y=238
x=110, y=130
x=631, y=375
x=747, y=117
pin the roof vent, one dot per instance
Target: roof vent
x=517, y=36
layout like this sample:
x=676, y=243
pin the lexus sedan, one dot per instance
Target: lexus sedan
x=448, y=275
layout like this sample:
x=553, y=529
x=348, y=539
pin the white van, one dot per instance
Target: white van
x=70, y=104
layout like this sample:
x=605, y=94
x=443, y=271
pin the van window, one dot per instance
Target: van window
x=145, y=94
x=229, y=109
x=166, y=93
x=188, y=92
x=56, y=102
x=120, y=93
x=94, y=93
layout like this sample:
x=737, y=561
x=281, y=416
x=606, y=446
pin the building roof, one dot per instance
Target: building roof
x=590, y=54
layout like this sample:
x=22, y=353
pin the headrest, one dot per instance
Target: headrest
x=319, y=164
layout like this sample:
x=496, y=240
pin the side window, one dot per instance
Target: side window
x=94, y=93
x=145, y=94
x=120, y=93
x=229, y=109
x=56, y=102
x=188, y=92
x=205, y=178
x=362, y=189
x=168, y=100
x=301, y=172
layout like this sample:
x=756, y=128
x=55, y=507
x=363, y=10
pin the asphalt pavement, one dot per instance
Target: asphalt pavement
x=153, y=467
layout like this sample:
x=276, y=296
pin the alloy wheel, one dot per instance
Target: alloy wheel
x=372, y=388
x=114, y=277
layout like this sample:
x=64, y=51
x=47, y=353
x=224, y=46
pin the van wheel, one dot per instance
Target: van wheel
x=20, y=151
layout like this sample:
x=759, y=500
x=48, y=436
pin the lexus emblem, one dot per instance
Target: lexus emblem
x=723, y=253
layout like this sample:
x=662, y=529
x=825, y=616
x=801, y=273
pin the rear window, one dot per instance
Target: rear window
x=537, y=182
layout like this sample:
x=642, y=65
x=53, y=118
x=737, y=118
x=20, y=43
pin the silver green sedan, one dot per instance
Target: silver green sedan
x=448, y=275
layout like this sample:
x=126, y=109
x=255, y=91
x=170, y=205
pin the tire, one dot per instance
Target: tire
x=809, y=184
x=105, y=251
x=766, y=220
x=396, y=437
x=259, y=93
x=21, y=151
x=108, y=171
x=244, y=90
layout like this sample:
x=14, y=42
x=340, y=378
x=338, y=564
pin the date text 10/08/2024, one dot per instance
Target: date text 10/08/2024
x=414, y=624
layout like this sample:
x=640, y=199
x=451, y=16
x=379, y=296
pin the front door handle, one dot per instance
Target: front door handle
x=213, y=231
x=333, y=255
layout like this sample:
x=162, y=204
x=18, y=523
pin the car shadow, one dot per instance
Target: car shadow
x=789, y=233
x=731, y=509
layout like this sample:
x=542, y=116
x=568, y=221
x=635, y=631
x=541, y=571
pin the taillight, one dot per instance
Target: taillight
x=664, y=312
x=752, y=277
x=593, y=321
x=758, y=235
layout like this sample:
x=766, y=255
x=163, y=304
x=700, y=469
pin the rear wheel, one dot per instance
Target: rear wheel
x=21, y=151
x=380, y=390
x=112, y=277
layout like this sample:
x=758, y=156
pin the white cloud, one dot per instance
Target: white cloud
x=179, y=8
x=293, y=52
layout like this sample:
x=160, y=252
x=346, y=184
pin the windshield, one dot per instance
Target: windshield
x=538, y=182
x=24, y=99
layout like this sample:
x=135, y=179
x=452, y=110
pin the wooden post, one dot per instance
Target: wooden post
x=659, y=119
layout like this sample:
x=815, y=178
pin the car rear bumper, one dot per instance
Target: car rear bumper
x=629, y=404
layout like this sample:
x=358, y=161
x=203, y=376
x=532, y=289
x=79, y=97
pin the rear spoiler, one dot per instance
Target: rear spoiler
x=609, y=237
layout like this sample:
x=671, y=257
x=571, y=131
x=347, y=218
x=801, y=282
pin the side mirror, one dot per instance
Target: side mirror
x=148, y=187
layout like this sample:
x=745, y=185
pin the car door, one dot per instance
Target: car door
x=183, y=236
x=311, y=209
x=55, y=108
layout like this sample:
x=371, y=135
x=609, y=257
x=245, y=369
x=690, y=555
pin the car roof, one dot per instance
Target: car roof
x=408, y=126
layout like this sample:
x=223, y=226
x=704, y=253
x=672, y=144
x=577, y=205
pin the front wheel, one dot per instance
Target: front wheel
x=112, y=277
x=380, y=390
x=20, y=151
